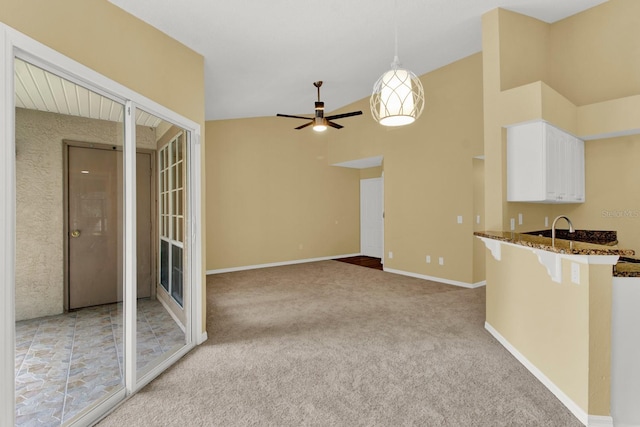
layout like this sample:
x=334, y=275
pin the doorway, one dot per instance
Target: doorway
x=94, y=224
x=371, y=217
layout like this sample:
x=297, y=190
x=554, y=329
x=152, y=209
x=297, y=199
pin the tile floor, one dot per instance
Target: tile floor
x=67, y=362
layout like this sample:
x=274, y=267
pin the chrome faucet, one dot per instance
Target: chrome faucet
x=553, y=229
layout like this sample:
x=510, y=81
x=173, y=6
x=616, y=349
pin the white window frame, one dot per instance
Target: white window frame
x=162, y=210
x=15, y=44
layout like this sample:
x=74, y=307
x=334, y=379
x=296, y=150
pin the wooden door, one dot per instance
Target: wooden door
x=95, y=226
x=93, y=232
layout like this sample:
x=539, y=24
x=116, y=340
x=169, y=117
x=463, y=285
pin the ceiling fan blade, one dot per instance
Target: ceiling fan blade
x=334, y=125
x=305, y=125
x=294, y=117
x=342, y=116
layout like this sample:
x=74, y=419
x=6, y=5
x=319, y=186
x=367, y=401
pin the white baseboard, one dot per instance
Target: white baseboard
x=436, y=279
x=602, y=421
x=203, y=338
x=580, y=414
x=278, y=264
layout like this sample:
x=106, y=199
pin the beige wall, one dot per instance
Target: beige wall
x=583, y=75
x=272, y=197
x=110, y=41
x=526, y=35
x=371, y=172
x=612, y=203
x=478, y=212
x=563, y=329
x=106, y=39
x=429, y=176
x=594, y=56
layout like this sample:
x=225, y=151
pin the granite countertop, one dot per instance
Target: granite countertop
x=562, y=246
x=628, y=265
x=600, y=237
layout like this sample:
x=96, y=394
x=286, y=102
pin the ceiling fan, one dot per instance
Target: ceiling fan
x=320, y=122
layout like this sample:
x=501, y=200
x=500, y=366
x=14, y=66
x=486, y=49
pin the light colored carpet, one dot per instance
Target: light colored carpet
x=333, y=344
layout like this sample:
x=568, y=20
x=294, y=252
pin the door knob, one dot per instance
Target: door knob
x=75, y=233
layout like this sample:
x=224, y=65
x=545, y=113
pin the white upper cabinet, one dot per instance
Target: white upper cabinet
x=544, y=164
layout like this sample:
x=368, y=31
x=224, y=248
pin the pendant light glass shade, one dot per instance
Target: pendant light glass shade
x=398, y=97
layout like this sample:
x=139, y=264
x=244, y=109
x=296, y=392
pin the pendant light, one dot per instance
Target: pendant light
x=398, y=96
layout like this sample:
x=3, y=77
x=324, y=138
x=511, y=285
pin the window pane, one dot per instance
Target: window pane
x=164, y=264
x=180, y=203
x=176, y=274
x=180, y=143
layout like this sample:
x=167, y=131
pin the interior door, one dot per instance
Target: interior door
x=95, y=226
x=371, y=217
x=93, y=232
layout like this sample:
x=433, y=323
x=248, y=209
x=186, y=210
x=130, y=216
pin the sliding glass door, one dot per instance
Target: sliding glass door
x=99, y=202
x=162, y=315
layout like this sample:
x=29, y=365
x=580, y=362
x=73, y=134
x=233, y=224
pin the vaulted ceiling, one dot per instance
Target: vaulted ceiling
x=262, y=57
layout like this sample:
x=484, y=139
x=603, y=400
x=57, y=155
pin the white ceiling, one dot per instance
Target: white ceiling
x=262, y=57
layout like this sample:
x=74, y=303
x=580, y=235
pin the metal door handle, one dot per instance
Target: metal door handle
x=75, y=233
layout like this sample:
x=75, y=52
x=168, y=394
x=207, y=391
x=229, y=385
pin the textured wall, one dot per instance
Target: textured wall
x=39, y=202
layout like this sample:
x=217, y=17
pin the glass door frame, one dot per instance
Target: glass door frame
x=15, y=44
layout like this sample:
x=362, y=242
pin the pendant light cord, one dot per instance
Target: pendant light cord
x=396, y=62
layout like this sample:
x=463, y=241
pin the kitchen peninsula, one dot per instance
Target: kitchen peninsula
x=550, y=305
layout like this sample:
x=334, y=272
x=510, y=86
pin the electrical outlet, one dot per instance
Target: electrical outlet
x=428, y=259
x=441, y=260
x=575, y=273
x=513, y=224
x=519, y=219
x=477, y=219
x=459, y=219
x=390, y=255
x=546, y=221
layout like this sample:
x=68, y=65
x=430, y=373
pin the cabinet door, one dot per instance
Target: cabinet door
x=579, y=170
x=526, y=157
x=544, y=164
x=555, y=157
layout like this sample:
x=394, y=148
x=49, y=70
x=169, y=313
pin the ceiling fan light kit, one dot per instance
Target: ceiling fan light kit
x=320, y=122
